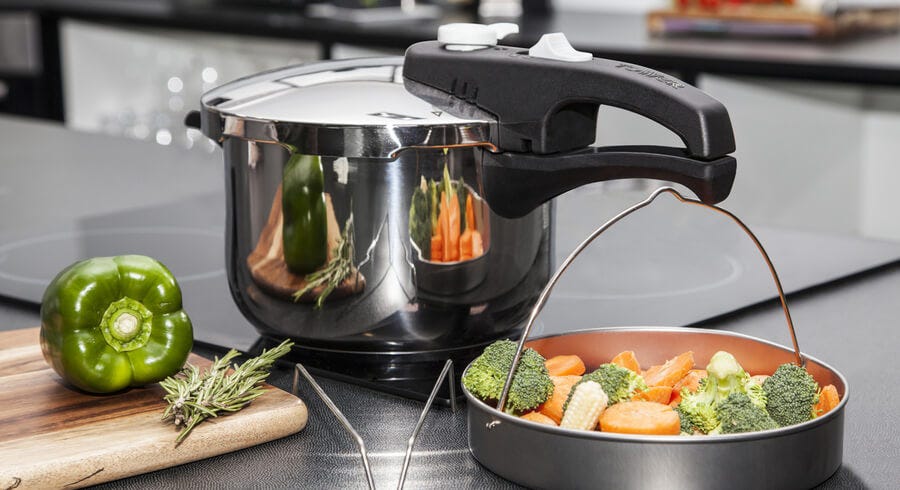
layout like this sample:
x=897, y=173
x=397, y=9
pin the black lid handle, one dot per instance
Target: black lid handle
x=547, y=105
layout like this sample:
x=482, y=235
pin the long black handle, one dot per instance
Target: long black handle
x=514, y=183
x=547, y=106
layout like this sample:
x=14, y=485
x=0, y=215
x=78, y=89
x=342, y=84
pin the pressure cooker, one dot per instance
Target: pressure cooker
x=392, y=213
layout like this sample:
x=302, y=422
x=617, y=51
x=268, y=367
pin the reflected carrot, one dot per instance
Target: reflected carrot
x=477, y=244
x=437, y=248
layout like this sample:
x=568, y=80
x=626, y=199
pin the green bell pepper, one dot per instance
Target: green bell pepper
x=109, y=323
x=305, y=228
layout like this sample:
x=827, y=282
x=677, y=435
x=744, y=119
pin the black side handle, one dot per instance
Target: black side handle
x=516, y=183
x=192, y=119
x=547, y=106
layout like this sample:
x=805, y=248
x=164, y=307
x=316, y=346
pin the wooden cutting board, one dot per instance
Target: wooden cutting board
x=52, y=436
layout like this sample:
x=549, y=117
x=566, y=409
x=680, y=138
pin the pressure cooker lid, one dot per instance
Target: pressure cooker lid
x=353, y=108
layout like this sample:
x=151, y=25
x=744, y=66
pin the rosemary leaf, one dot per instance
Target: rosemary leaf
x=192, y=396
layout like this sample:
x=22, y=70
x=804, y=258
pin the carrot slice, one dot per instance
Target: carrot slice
x=658, y=394
x=627, y=360
x=669, y=373
x=691, y=381
x=565, y=366
x=640, y=417
x=553, y=407
x=539, y=418
x=828, y=399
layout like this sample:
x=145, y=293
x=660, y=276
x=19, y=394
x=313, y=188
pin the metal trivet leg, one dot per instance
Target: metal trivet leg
x=448, y=368
x=298, y=370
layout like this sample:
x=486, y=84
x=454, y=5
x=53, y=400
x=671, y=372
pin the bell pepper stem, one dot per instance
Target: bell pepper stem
x=126, y=324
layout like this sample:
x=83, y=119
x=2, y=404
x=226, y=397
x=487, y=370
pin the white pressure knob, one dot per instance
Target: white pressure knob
x=470, y=37
x=555, y=46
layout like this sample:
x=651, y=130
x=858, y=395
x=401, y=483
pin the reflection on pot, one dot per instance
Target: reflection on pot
x=302, y=254
x=449, y=234
x=446, y=220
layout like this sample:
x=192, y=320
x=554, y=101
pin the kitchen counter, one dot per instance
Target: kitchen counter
x=849, y=323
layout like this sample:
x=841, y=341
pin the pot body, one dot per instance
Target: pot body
x=397, y=300
x=541, y=456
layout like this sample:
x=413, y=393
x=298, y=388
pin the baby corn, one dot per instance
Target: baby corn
x=585, y=406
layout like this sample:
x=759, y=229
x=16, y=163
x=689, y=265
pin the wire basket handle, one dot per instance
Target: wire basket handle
x=545, y=294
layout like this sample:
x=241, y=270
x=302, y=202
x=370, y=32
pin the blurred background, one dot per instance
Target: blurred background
x=813, y=86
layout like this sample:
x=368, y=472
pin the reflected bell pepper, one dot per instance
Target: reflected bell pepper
x=305, y=228
x=110, y=323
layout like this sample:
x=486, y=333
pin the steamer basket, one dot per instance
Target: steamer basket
x=541, y=456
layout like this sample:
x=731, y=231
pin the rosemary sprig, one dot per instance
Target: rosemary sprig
x=193, y=396
x=335, y=271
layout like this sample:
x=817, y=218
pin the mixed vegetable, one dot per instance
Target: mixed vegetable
x=437, y=224
x=667, y=399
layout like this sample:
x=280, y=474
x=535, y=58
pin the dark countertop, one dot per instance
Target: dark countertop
x=849, y=323
x=867, y=60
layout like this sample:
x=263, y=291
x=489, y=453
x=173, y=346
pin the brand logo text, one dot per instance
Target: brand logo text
x=651, y=74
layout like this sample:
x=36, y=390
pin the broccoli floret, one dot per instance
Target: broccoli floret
x=618, y=383
x=486, y=376
x=791, y=394
x=697, y=414
x=687, y=427
x=737, y=413
x=725, y=376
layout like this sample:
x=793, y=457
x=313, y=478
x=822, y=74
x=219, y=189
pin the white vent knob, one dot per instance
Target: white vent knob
x=555, y=46
x=470, y=37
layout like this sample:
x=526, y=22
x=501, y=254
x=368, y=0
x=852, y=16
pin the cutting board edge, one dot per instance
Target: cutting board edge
x=284, y=414
x=274, y=424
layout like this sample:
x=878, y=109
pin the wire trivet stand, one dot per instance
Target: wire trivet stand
x=361, y=445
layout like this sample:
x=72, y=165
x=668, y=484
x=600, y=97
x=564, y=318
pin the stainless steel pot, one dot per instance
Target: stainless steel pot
x=377, y=164
x=376, y=144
